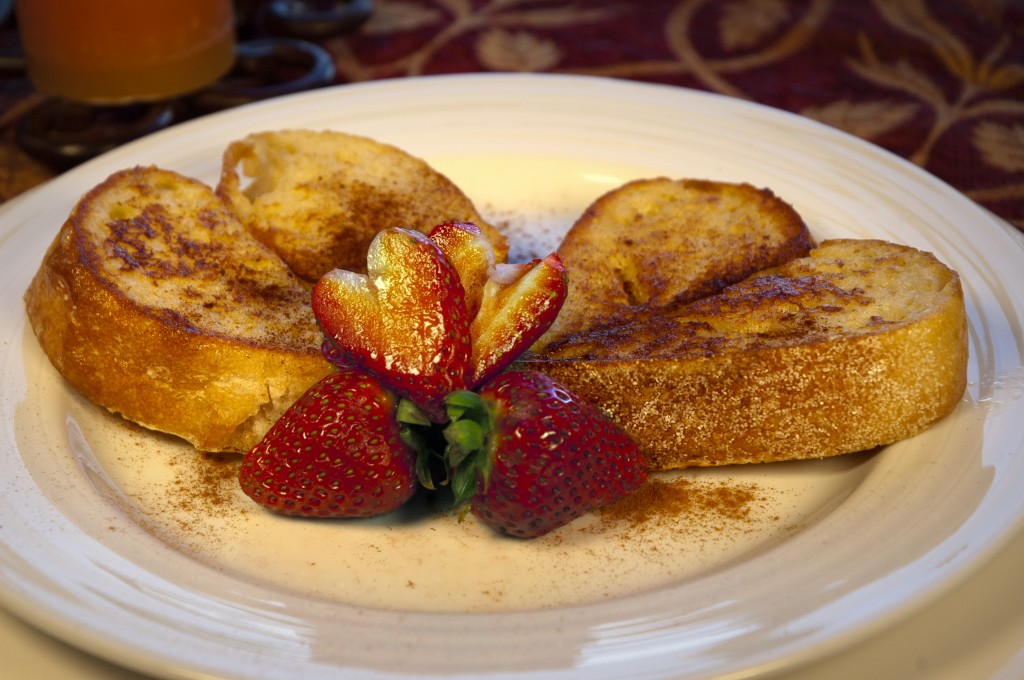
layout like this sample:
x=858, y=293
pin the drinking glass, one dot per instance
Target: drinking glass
x=121, y=51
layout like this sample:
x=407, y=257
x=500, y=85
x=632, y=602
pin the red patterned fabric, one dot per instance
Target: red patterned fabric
x=938, y=82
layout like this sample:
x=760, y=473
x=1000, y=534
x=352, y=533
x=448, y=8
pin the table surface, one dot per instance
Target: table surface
x=939, y=83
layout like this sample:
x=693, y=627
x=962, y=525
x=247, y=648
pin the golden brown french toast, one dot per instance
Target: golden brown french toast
x=317, y=198
x=859, y=344
x=698, y=315
x=655, y=244
x=156, y=303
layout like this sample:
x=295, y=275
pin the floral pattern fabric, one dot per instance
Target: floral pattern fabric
x=938, y=82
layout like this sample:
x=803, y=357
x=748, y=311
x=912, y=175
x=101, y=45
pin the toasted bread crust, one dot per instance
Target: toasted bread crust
x=317, y=198
x=654, y=244
x=860, y=344
x=155, y=303
x=739, y=345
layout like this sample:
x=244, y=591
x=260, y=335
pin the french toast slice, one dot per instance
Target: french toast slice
x=155, y=302
x=317, y=198
x=654, y=244
x=859, y=344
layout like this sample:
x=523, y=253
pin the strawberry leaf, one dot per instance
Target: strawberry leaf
x=410, y=413
x=463, y=437
x=424, y=470
x=417, y=432
x=466, y=480
x=468, y=435
x=465, y=404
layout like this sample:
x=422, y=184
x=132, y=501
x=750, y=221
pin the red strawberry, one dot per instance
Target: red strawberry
x=336, y=452
x=471, y=254
x=519, y=304
x=511, y=305
x=405, y=321
x=334, y=354
x=530, y=456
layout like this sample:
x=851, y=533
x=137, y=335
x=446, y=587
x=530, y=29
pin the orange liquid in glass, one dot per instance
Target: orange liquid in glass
x=110, y=51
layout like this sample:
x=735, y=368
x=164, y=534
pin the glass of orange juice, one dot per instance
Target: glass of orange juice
x=120, y=51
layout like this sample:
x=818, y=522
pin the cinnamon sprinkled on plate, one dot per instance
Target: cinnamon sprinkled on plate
x=662, y=500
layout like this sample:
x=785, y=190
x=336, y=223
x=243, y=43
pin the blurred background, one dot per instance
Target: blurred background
x=938, y=82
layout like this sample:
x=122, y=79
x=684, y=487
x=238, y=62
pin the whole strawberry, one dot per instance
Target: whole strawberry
x=335, y=453
x=530, y=456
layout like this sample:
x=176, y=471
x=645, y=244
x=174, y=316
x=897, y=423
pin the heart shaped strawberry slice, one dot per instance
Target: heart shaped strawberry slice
x=405, y=321
x=471, y=254
x=511, y=305
x=520, y=302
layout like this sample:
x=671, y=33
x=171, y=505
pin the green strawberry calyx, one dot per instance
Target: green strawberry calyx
x=469, y=440
x=456, y=454
x=418, y=432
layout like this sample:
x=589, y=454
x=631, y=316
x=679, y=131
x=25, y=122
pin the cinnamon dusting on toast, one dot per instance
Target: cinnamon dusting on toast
x=701, y=315
x=317, y=198
x=156, y=303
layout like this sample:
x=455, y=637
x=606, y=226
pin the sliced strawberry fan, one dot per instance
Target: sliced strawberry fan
x=423, y=397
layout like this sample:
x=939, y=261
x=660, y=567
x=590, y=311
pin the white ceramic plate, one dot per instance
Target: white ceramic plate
x=129, y=545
